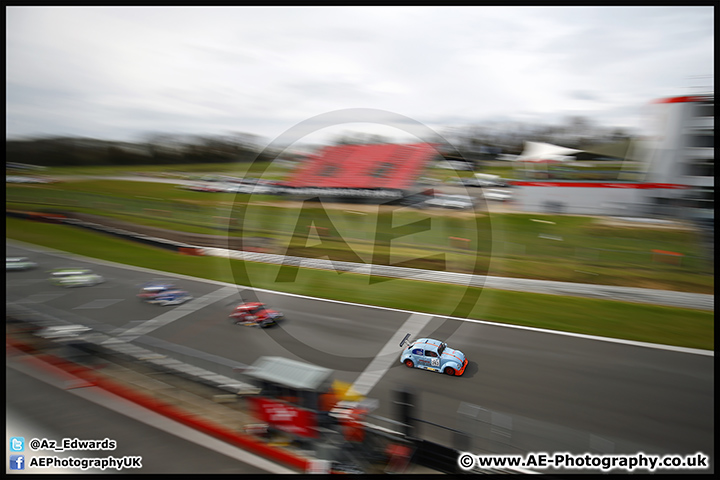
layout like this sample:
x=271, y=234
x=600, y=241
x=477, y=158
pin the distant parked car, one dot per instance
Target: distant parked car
x=18, y=263
x=75, y=277
x=497, y=194
x=488, y=180
x=257, y=188
x=458, y=202
x=454, y=165
x=466, y=182
x=428, y=181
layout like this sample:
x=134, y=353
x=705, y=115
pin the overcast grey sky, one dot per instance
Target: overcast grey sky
x=119, y=73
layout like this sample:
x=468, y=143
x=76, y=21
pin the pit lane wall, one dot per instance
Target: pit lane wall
x=74, y=362
x=91, y=377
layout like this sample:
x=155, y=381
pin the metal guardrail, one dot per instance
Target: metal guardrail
x=606, y=292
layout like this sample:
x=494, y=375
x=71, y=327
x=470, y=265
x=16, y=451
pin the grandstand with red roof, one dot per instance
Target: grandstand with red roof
x=379, y=171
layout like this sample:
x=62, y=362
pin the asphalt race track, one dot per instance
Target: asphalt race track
x=523, y=391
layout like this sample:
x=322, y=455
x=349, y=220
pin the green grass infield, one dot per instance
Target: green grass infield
x=638, y=322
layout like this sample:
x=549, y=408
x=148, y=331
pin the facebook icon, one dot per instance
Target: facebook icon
x=17, y=462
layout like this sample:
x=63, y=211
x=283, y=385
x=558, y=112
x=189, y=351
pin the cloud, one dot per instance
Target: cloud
x=118, y=70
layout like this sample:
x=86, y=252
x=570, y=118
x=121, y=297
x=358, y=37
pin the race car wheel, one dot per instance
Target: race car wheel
x=409, y=363
x=450, y=371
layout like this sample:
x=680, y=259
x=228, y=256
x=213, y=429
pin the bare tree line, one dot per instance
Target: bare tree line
x=473, y=142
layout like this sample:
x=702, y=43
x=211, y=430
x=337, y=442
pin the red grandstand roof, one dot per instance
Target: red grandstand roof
x=364, y=166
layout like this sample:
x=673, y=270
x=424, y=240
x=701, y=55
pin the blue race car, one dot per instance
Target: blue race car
x=171, y=297
x=433, y=355
x=154, y=288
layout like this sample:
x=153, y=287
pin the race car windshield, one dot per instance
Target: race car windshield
x=441, y=348
x=69, y=274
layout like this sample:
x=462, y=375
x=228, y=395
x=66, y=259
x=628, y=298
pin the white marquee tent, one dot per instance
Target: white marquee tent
x=539, y=152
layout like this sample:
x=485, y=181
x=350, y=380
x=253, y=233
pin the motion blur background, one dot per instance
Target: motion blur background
x=510, y=148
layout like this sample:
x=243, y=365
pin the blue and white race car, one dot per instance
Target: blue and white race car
x=171, y=297
x=154, y=288
x=433, y=355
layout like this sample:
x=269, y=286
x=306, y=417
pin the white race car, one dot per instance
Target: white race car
x=18, y=263
x=75, y=277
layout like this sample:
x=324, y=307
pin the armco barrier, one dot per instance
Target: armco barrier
x=153, y=241
x=88, y=375
x=180, y=247
x=37, y=216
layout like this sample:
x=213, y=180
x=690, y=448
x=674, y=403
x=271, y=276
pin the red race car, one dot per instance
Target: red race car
x=255, y=314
